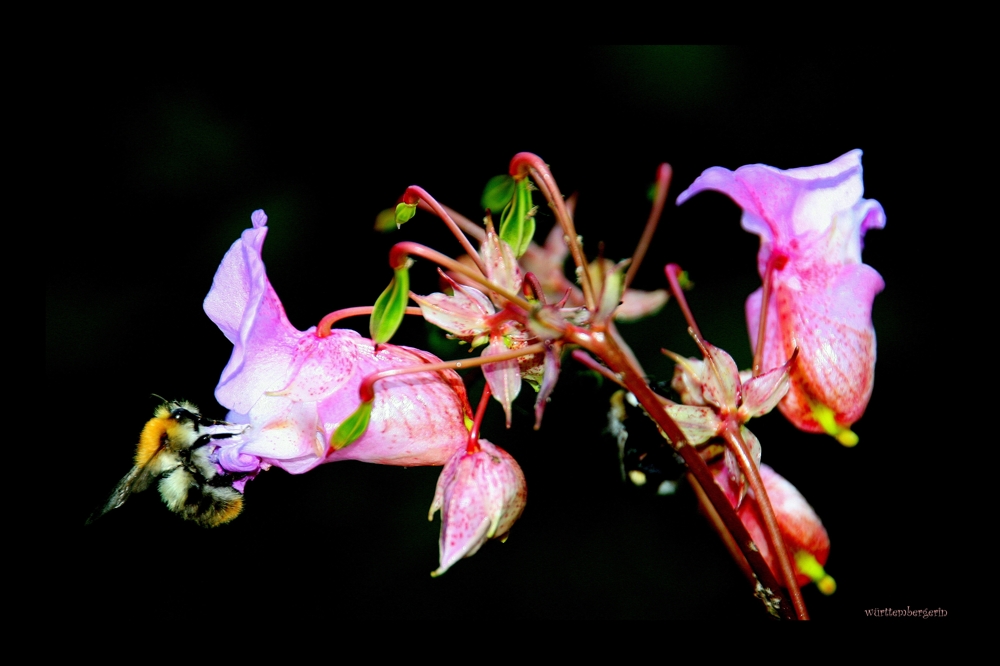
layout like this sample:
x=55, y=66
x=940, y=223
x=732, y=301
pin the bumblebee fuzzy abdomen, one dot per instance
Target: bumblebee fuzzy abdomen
x=187, y=493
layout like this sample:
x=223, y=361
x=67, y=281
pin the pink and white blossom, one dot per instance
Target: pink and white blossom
x=294, y=388
x=480, y=496
x=811, y=222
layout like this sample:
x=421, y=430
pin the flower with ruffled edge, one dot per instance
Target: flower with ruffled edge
x=811, y=222
x=295, y=388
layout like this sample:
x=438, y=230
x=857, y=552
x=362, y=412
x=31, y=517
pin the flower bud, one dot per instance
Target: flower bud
x=480, y=496
x=805, y=537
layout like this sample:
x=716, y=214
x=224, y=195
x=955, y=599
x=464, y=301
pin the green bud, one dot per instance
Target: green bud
x=352, y=427
x=405, y=213
x=517, y=226
x=391, y=306
x=498, y=192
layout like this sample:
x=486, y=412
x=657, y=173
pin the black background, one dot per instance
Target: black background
x=164, y=172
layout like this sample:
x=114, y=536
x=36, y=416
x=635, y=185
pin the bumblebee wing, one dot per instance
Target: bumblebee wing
x=135, y=481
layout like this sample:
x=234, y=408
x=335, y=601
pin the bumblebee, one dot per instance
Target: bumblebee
x=174, y=450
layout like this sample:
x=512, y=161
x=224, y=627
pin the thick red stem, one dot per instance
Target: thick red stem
x=720, y=528
x=604, y=347
x=734, y=440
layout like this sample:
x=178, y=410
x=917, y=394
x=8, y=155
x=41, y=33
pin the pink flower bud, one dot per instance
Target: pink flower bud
x=811, y=223
x=294, y=388
x=480, y=496
x=805, y=537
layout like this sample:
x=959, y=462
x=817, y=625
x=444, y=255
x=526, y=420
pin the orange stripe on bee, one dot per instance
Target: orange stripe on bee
x=155, y=436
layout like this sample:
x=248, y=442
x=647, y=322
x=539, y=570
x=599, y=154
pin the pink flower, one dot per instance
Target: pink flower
x=805, y=537
x=480, y=496
x=811, y=223
x=294, y=388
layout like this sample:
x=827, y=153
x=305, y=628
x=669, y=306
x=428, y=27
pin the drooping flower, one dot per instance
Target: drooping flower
x=805, y=537
x=480, y=496
x=294, y=388
x=811, y=222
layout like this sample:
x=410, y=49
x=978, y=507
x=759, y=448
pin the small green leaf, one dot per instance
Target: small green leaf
x=352, y=427
x=498, y=192
x=405, y=213
x=517, y=227
x=391, y=307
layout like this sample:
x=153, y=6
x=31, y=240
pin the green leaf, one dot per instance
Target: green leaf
x=517, y=227
x=391, y=307
x=498, y=192
x=405, y=213
x=352, y=427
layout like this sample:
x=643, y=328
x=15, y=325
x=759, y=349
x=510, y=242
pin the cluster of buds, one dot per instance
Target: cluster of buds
x=325, y=394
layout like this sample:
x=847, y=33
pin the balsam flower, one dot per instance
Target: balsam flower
x=294, y=388
x=806, y=539
x=811, y=222
x=480, y=496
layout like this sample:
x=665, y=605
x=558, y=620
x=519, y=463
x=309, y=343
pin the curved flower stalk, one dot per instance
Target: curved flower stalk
x=811, y=222
x=295, y=388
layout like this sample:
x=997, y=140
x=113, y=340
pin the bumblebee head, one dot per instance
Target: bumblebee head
x=174, y=426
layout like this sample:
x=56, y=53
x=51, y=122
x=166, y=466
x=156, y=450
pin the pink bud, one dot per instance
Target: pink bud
x=811, y=223
x=805, y=537
x=480, y=496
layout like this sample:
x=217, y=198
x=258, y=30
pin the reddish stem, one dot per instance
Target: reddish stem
x=367, y=390
x=775, y=263
x=607, y=349
x=415, y=194
x=532, y=288
x=663, y=175
x=720, y=528
x=529, y=164
x=672, y=271
x=587, y=360
x=400, y=251
x=464, y=223
x=484, y=399
x=327, y=322
x=734, y=440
